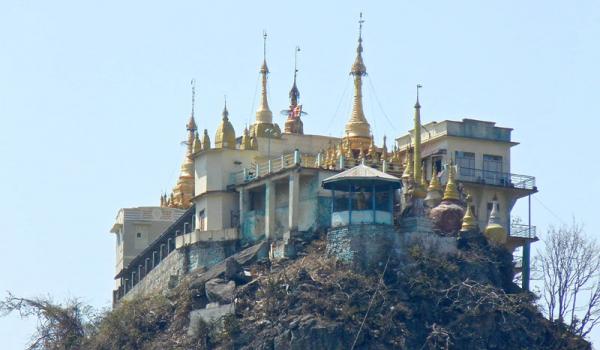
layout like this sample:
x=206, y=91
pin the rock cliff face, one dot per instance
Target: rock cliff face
x=417, y=300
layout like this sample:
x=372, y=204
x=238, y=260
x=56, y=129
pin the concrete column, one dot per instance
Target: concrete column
x=269, y=210
x=294, y=201
x=243, y=207
x=162, y=254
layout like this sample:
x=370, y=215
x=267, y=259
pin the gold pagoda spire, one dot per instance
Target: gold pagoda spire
x=434, y=185
x=420, y=188
x=225, y=135
x=263, y=113
x=357, y=125
x=468, y=222
x=451, y=193
x=183, y=192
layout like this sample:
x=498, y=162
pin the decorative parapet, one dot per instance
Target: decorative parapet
x=523, y=231
x=227, y=234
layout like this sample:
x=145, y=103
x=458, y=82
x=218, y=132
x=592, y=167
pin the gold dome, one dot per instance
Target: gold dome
x=225, y=135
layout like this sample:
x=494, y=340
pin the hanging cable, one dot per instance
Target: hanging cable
x=338, y=106
x=254, y=98
x=371, y=302
x=549, y=211
x=379, y=103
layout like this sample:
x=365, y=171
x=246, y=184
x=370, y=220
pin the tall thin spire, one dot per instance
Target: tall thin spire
x=264, y=114
x=417, y=147
x=293, y=123
x=294, y=92
x=358, y=125
x=191, y=125
x=184, y=189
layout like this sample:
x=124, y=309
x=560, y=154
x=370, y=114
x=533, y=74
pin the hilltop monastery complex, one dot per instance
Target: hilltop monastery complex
x=275, y=184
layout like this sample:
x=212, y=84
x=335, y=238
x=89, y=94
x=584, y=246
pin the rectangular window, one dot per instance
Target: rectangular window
x=436, y=161
x=201, y=217
x=465, y=162
x=492, y=169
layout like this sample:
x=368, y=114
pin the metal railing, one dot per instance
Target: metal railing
x=522, y=231
x=296, y=158
x=496, y=178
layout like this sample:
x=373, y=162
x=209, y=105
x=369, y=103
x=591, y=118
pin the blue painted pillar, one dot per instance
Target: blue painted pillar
x=349, y=204
x=243, y=208
x=269, y=210
x=391, y=204
x=373, y=204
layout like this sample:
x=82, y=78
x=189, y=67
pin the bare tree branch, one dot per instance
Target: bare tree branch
x=570, y=267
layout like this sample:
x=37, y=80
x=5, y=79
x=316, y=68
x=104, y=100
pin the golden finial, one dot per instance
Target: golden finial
x=384, y=155
x=371, y=152
x=417, y=139
x=424, y=182
x=205, y=140
x=264, y=114
x=358, y=126
x=494, y=230
x=225, y=135
x=408, y=173
x=197, y=146
x=349, y=154
x=253, y=140
x=361, y=155
x=451, y=193
x=468, y=222
x=434, y=185
x=245, y=139
x=434, y=190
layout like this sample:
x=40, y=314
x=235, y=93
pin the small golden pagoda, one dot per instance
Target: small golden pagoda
x=225, y=135
x=450, y=192
x=494, y=231
x=468, y=222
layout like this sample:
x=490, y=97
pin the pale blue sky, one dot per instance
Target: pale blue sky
x=94, y=97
